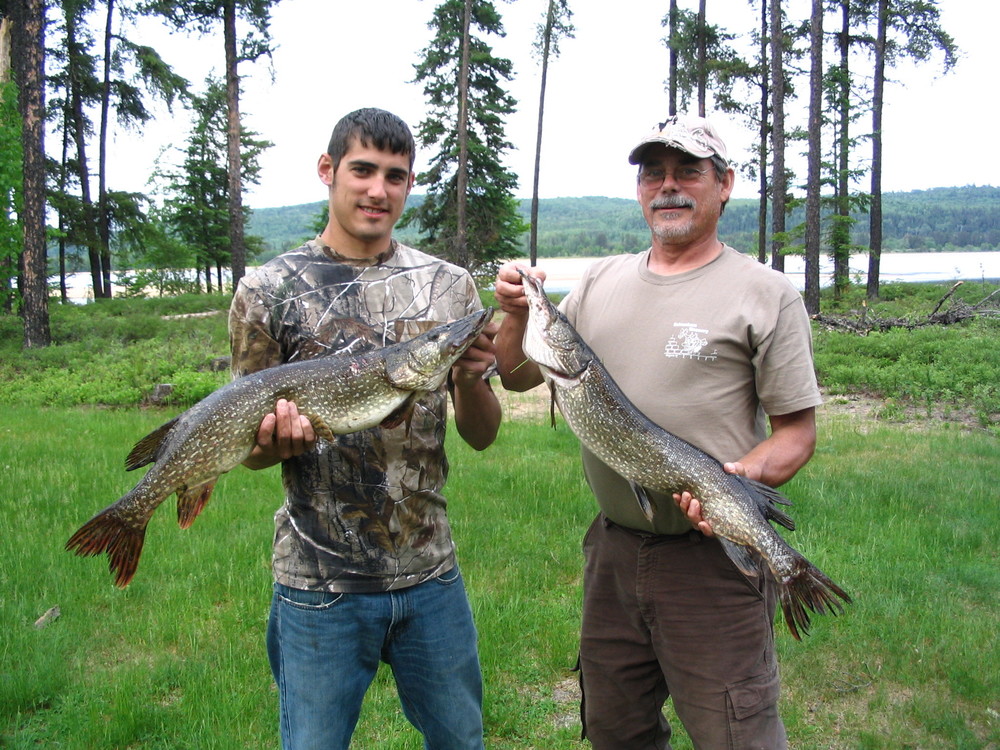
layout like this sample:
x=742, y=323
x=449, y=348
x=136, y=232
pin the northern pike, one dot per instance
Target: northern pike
x=339, y=394
x=651, y=458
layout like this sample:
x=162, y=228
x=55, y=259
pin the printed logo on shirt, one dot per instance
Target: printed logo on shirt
x=689, y=342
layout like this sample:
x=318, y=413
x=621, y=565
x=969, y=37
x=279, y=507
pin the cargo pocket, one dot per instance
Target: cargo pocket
x=750, y=697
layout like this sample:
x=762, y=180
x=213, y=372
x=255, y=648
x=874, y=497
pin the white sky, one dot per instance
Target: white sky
x=605, y=91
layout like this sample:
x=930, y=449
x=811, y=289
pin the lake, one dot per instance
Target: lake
x=562, y=274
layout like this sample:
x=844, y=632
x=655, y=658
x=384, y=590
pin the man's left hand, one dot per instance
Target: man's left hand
x=691, y=506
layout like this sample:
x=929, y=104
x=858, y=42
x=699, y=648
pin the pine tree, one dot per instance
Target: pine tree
x=557, y=25
x=197, y=210
x=469, y=214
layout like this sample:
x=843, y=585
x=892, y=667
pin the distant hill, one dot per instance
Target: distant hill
x=941, y=219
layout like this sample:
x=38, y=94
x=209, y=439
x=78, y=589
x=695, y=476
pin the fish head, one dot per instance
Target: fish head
x=423, y=362
x=550, y=341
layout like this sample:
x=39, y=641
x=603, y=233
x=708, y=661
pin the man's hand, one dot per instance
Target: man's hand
x=469, y=369
x=282, y=434
x=508, y=290
x=691, y=506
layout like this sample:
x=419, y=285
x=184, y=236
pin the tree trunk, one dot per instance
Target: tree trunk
x=103, y=219
x=842, y=245
x=875, y=212
x=815, y=159
x=77, y=119
x=779, y=188
x=672, y=80
x=546, y=43
x=762, y=151
x=461, y=251
x=237, y=245
x=702, y=61
x=29, y=73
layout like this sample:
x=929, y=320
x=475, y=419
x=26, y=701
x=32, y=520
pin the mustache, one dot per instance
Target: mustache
x=672, y=201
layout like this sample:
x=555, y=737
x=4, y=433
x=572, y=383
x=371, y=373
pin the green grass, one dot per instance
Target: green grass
x=906, y=520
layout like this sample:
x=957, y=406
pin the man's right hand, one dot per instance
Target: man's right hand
x=282, y=434
x=509, y=291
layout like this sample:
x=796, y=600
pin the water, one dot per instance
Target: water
x=562, y=274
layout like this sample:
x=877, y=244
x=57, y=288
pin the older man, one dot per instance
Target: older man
x=706, y=342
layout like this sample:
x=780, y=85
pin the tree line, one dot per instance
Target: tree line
x=939, y=220
x=68, y=68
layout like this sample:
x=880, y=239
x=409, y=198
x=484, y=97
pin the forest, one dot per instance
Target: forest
x=803, y=79
x=942, y=220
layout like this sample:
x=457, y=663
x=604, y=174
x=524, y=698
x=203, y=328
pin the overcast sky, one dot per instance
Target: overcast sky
x=605, y=91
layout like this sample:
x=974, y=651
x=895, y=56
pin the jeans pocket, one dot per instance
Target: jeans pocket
x=449, y=577
x=307, y=600
x=753, y=695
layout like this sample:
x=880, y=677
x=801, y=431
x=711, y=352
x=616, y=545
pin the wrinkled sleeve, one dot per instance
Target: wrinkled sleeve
x=251, y=345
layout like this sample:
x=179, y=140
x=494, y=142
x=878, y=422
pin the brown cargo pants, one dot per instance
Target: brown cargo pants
x=670, y=616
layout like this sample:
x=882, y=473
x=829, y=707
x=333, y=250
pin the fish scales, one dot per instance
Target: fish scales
x=652, y=458
x=339, y=394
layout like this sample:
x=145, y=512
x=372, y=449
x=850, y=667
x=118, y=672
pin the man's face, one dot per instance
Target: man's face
x=680, y=211
x=368, y=191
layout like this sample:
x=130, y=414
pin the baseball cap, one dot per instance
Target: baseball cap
x=694, y=135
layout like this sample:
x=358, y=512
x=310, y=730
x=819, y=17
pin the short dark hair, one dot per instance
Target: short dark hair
x=372, y=127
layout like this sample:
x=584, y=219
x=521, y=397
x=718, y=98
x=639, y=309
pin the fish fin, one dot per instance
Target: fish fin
x=552, y=404
x=643, y=497
x=402, y=413
x=808, y=589
x=144, y=452
x=740, y=556
x=767, y=500
x=107, y=532
x=320, y=427
x=192, y=500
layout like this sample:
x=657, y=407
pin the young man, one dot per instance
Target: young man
x=705, y=341
x=364, y=564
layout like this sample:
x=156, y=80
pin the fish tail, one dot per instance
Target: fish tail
x=108, y=532
x=806, y=590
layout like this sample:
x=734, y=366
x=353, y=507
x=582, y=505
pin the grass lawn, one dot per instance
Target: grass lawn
x=905, y=518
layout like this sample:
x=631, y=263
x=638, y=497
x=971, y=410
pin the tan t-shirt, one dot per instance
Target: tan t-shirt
x=705, y=354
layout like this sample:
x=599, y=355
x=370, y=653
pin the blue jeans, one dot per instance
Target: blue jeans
x=324, y=650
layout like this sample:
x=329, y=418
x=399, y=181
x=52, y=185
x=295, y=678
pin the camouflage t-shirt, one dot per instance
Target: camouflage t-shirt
x=364, y=513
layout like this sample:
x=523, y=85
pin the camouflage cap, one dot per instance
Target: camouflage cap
x=694, y=135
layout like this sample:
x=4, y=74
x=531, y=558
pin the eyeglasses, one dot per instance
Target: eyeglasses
x=685, y=175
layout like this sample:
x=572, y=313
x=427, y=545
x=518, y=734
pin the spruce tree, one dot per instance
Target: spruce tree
x=469, y=215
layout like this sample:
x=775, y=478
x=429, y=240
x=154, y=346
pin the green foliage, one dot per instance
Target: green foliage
x=597, y=226
x=492, y=221
x=114, y=353
x=11, y=168
x=939, y=369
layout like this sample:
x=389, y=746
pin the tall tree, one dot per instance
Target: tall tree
x=118, y=93
x=672, y=21
x=467, y=120
x=203, y=15
x=701, y=57
x=875, y=212
x=813, y=185
x=28, y=57
x=557, y=24
x=197, y=209
x=11, y=163
x=905, y=29
x=779, y=179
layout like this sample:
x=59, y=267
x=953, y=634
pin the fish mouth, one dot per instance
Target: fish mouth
x=462, y=332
